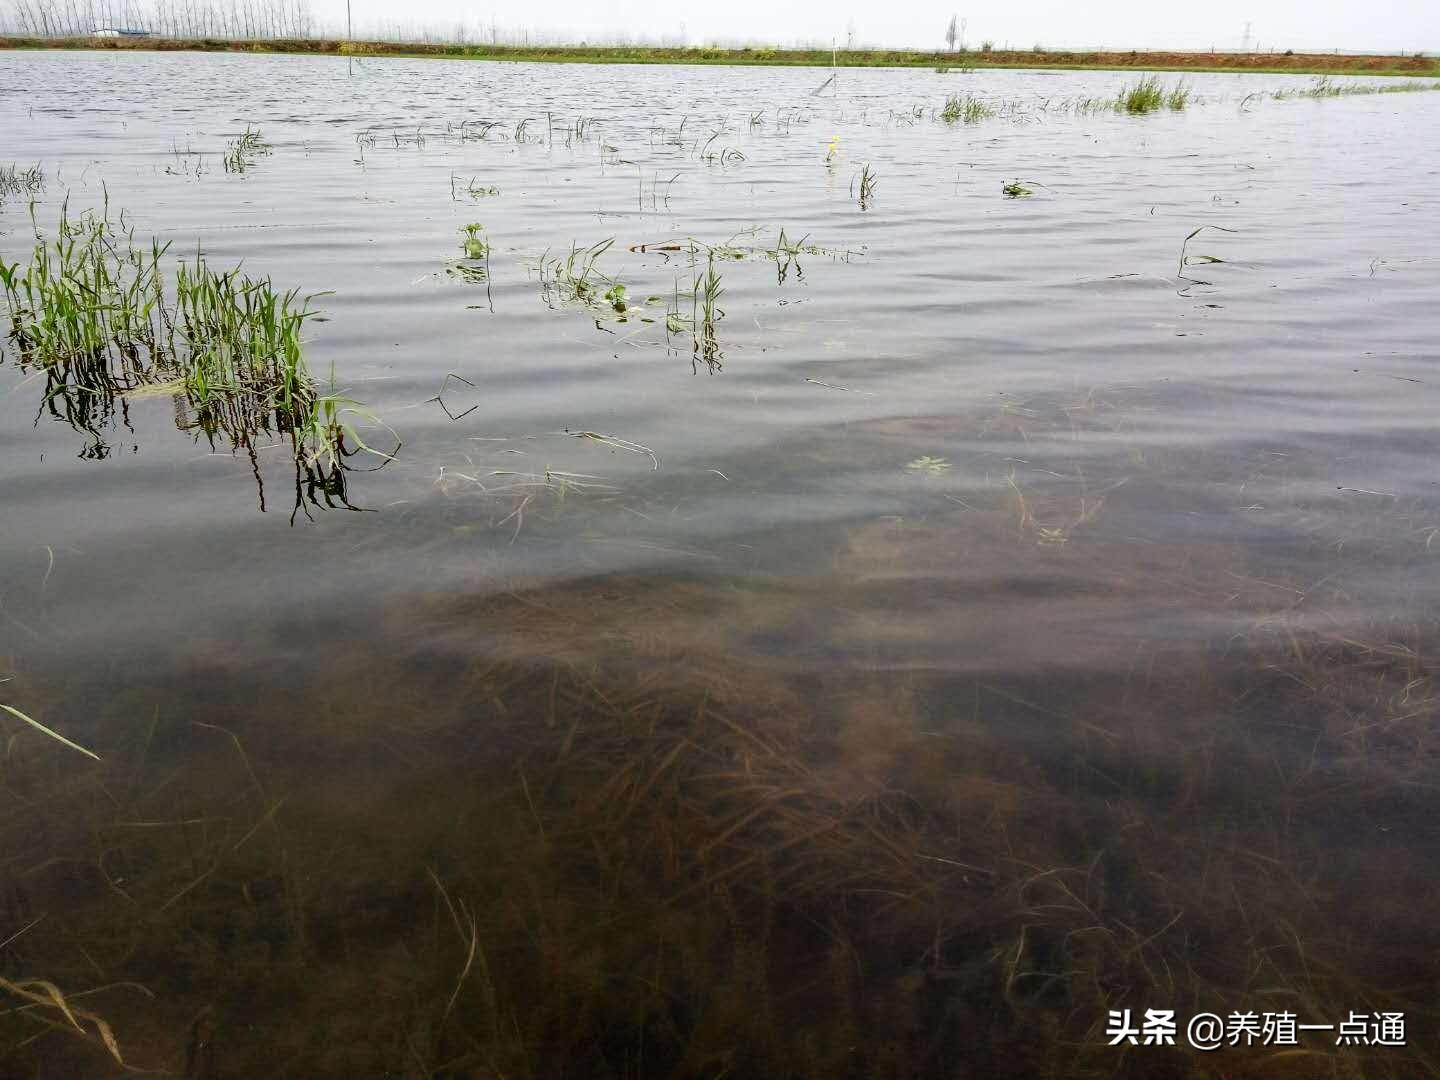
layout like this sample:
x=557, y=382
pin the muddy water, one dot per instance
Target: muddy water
x=1010, y=613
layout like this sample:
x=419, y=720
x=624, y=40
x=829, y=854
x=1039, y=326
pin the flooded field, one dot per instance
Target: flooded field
x=720, y=578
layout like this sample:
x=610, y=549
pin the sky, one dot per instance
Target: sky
x=1311, y=25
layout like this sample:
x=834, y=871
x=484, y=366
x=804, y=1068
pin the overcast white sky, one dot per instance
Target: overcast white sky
x=1350, y=25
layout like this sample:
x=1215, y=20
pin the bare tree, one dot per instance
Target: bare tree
x=952, y=32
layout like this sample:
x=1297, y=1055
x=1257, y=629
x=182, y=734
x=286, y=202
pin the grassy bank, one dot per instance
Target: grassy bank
x=1292, y=63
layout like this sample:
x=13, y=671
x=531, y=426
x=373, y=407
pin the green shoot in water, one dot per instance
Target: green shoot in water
x=967, y=108
x=98, y=315
x=868, y=184
x=243, y=153
x=473, y=241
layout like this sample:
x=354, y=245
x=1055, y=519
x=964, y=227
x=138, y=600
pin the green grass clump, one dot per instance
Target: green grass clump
x=1093, y=106
x=89, y=293
x=965, y=108
x=577, y=279
x=243, y=153
x=1326, y=87
x=1146, y=96
x=99, y=315
x=1150, y=95
x=237, y=349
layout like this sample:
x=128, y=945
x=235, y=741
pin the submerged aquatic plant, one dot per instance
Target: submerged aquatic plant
x=45, y=1002
x=930, y=466
x=242, y=153
x=12, y=711
x=1014, y=189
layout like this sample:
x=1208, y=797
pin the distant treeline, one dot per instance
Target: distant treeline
x=183, y=19
x=286, y=26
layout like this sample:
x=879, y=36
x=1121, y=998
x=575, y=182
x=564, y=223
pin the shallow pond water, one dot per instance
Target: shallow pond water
x=1001, y=611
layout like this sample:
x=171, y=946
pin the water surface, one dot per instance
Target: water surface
x=1004, y=621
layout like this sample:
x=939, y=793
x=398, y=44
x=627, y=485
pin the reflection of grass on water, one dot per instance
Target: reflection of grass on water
x=95, y=312
x=17, y=181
